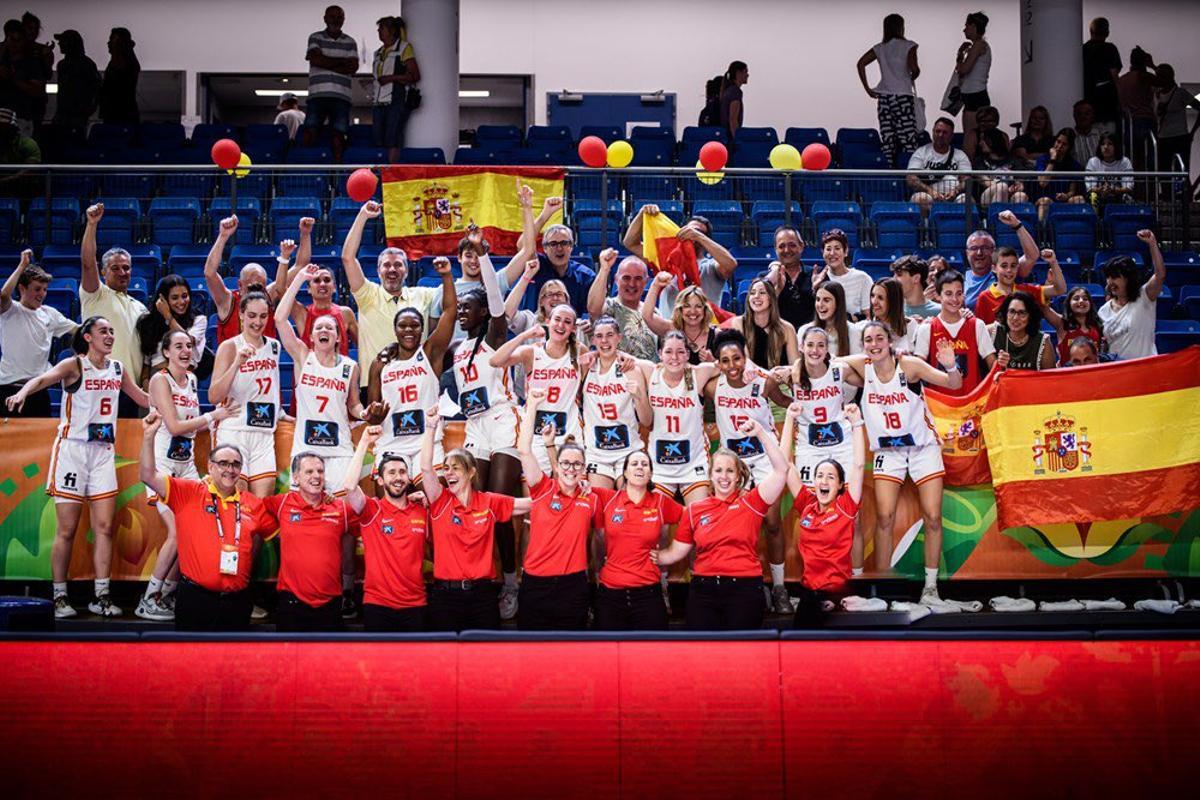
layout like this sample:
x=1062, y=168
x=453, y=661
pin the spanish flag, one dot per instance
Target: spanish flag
x=959, y=423
x=427, y=209
x=663, y=251
x=1104, y=442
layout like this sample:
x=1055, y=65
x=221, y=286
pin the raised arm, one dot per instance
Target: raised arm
x=599, y=291
x=221, y=297
x=161, y=402
x=65, y=371
x=773, y=485
x=287, y=334
x=854, y=480
x=147, y=467
x=550, y=207
x=283, y=275
x=226, y=364
x=920, y=369
x=512, y=352
x=90, y=280
x=654, y=322
x=439, y=340
x=354, y=496
x=430, y=481
x=1029, y=248
x=1153, y=287
x=726, y=263
x=633, y=234
x=787, y=436
x=529, y=463
x=512, y=304
x=354, y=272
x=1056, y=282
x=6, y=291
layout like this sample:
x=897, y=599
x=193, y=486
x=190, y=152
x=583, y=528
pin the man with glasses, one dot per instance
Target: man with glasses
x=556, y=263
x=215, y=530
x=981, y=250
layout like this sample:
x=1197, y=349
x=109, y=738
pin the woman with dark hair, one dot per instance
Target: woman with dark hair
x=172, y=312
x=710, y=115
x=1174, y=135
x=1049, y=189
x=1129, y=315
x=1019, y=341
x=732, y=110
x=1035, y=140
x=118, y=93
x=394, y=68
x=831, y=316
x=973, y=63
x=1108, y=158
x=887, y=306
x=1079, y=319
x=770, y=339
x=896, y=91
x=835, y=251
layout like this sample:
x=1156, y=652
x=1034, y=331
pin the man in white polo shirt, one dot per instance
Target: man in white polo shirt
x=27, y=329
x=332, y=60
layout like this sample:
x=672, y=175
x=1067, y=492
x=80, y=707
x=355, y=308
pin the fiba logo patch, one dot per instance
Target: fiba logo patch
x=806, y=472
x=69, y=480
x=879, y=461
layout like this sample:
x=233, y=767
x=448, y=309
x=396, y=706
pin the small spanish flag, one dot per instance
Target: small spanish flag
x=1104, y=442
x=959, y=423
x=663, y=251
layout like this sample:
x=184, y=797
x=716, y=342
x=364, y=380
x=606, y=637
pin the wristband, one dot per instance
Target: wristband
x=953, y=367
x=857, y=425
x=283, y=259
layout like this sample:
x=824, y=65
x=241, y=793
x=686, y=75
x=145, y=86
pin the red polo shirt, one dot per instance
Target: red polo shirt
x=725, y=533
x=464, y=536
x=559, y=525
x=825, y=539
x=196, y=506
x=394, y=547
x=310, y=545
x=631, y=531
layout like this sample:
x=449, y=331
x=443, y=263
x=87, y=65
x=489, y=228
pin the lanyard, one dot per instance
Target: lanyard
x=237, y=522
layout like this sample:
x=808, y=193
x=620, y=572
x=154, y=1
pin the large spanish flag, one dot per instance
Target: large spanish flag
x=959, y=423
x=1110, y=441
x=426, y=209
x=663, y=251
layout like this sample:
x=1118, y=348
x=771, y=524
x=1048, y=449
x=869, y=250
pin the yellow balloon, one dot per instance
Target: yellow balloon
x=784, y=156
x=708, y=178
x=620, y=154
x=242, y=168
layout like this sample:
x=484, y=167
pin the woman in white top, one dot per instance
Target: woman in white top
x=830, y=315
x=1108, y=158
x=394, y=68
x=973, y=63
x=835, y=249
x=1129, y=315
x=615, y=406
x=895, y=92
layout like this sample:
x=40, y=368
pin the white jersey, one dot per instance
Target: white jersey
x=895, y=412
x=322, y=422
x=677, y=433
x=177, y=450
x=610, y=424
x=481, y=387
x=256, y=387
x=89, y=411
x=822, y=422
x=408, y=386
x=734, y=406
x=560, y=378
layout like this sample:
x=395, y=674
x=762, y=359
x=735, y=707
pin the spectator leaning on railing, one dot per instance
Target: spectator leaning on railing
x=27, y=328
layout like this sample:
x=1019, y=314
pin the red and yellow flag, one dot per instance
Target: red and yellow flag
x=663, y=251
x=426, y=209
x=959, y=423
x=1110, y=441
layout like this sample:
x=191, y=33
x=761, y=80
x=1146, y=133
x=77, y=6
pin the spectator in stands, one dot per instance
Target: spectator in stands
x=1174, y=136
x=1005, y=271
x=290, y=116
x=830, y=315
x=470, y=247
x=172, y=312
x=692, y=316
x=1108, y=158
x=33, y=31
x=973, y=62
x=981, y=249
x=913, y=274
x=1101, y=66
x=715, y=264
x=1079, y=320
x=940, y=154
x=732, y=108
x=770, y=340
x=1035, y=140
x=395, y=68
x=558, y=242
x=1019, y=341
x=1048, y=189
x=78, y=86
x=974, y=352
x=551, y=294
x=1081, y=353
x=1087, y=133
x=110, y=299
x=835, y=249
x=27, y=328
x=710, y=115
x=1135, y=91
x=987, y=120
x=786, y=275
x=321, y=288
x=23, y=77
x=887, y=306
x=895, y=93
x=332, y=59
x=252, y=277
x=937, y=264
x=636, y=337
x=118, y=94
x=1129, y=315
x=379, y=302
x=15, y=147
x=992, y=156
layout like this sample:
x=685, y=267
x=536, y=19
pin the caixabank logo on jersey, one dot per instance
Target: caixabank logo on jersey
x=1060, y=447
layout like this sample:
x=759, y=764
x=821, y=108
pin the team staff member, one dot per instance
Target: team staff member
x=215, y=529
x=727, y=577
x=395, y=534
x=554, y=590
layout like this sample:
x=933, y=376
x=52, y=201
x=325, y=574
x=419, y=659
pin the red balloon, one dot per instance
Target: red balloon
x=714, y=156
x=593, y=151
x=225, y=153
x=361, y=185
x=815, y=156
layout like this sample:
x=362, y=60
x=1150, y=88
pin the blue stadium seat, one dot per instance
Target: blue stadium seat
x=127, y=183
x=695, y=190
x=820, y=188
x=726, y=218
x=360, y=135
x=766, y=135
x=204, y=134
x=897, y=225
x=147, y=260
x=704, y=134
x=672, y=208
x=422, y=155
x=1004, y=235
x=1124, y=221
x=120, y=223
x=73, y=184
x=365, y=154
x=583, y=211
x=1171, y=335
x=652, y=187
x=104, y=134
x=201, y=299
x=342, y=212
x=60, y=258
x=10, y=216
x=188, y=260
x=653, y=153
x=1189, y=300
x=305, y=184
x=173, y=220
x=864, y=156
x=473, y=156
x=161, y=136
x=242, y=254
x=494, y=138
x=139, y=288
x=1072, y=226
x=800, y=138
x=767, y=215
x=880, y=190
x=197, y=184
x=260, y=139
x=63, y=295
x=949, y=226
x=249, y=212
x=828, y=214
x=587, y=186
x=641, y=133
x=608, y=133
x=752, y=146
x=286, y=212
x=63, y=213
x=557, y=135
x=852, y=136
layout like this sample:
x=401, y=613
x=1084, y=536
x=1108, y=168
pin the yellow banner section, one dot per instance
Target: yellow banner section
x=1099, y=437
x=435, y=203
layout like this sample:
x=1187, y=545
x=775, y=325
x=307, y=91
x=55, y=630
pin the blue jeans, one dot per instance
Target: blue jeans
x=333, y=109
x=390, y=120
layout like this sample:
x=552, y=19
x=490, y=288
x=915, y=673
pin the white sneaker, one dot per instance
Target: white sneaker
x=508, y=602
x=929, y=597
x=150, y=608
x=63, y=608
x=167, y=602
x=258, y=613
x=781, y=603
x=102, y=606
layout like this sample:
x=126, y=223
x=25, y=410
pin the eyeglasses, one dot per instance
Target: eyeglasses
x=570, y=466
x=1018, y=312
x=563, y=243
x=227, y=464
x=981, y=248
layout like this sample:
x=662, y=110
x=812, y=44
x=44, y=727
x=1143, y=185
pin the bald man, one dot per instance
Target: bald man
x=251, y=276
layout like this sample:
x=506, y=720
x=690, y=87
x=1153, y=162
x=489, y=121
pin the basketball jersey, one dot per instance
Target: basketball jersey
x=821, y=422
x=966, y=353
x=187, y=406
x=560, y=378
x=610, y=424
x=481, y=387
x=409, y=387
x=677, y=431
x=231, y=326
x=89, y=411
x=256, y=387
x=322, y=421
x=733, y=406
x=895, y=412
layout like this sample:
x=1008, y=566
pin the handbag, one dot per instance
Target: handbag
x=919, y=117
x=952, y=101
x=412, y=98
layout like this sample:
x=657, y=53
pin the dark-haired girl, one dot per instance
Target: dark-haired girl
x=1129, y=315
x=830, y=315
x=172, y=312
x=615, y=405
x=1079, y=318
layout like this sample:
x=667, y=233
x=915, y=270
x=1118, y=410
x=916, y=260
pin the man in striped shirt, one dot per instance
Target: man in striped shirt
x=332, y=60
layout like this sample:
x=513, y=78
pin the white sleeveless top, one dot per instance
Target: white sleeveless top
x=481, y=387
x=560, y=378
x=610, y=424
x=976, y=80
x=894, y=78
x=256, y=387
x=735, y=405
x=322, y=421
x=895, y=412
x=178, y=449
x=822, y=423
x=409, y=387
x=677, y=431
x=89, y=411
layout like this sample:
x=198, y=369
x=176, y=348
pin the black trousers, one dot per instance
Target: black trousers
x=808, y=611
x=383, y=619
x=638, y=609
x=293, y=615
x=200, y=609
x=725, y=604
x=553, y=603
x=36, y=405
x=453, y=608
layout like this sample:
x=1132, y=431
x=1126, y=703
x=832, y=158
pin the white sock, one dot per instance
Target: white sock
x=777, y=575
x=60, y=589
x=931, y=574
x=169, y=587
x=101, y=587
x=153, y=587
x=856, y=572
x=510, y=580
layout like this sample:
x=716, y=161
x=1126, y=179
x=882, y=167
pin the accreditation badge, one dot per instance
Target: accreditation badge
x=229, y=560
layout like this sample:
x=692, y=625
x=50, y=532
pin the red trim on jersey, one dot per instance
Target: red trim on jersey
x=966, y=346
